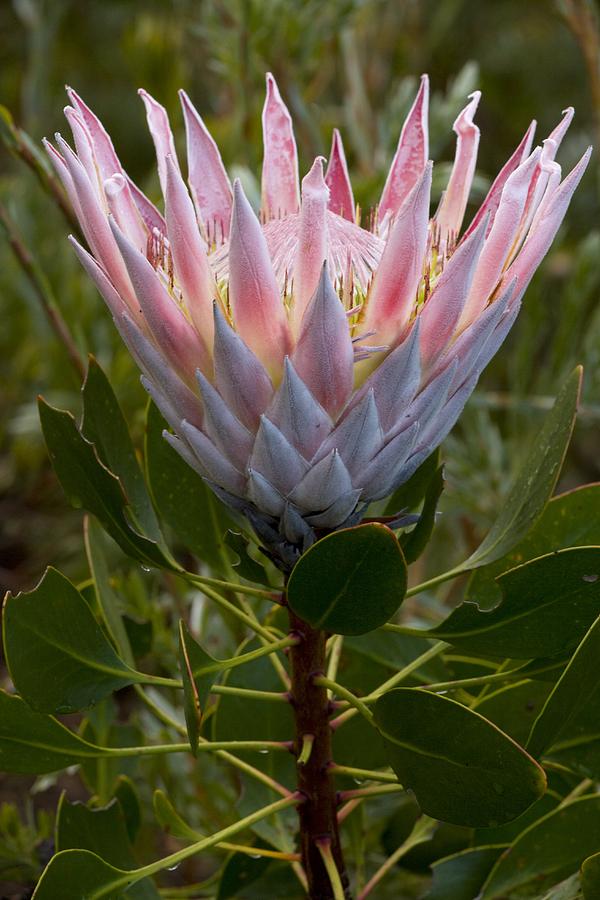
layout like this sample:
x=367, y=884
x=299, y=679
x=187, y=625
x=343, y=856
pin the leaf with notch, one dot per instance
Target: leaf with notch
x=570, y=520
x=103, y=831
x=87, y=482
x=58, y=656
x=86, y=874
x=33, y=743
x=548, y=604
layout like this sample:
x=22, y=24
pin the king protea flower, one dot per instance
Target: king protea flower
x=308, y=364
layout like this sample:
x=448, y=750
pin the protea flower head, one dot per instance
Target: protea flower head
x=308, y=364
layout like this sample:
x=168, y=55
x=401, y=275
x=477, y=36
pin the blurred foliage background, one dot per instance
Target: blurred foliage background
x=350, y=63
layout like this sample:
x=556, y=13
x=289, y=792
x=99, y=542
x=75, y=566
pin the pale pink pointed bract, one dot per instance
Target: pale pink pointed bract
x=307, y=364
x=209, y=182
x=411, y=155
x=280, y=192
x=454, y=200
x=311, y=249
x=337, y=179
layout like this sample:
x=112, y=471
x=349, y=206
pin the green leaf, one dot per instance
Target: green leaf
x=548, y=851
x=104, y=425
x=59, y=659
x=461, y=767
x=410, y=494
x=460, y=876
x=246, y=566
x=108, y=604
x=86, y=874
x=506, y=834
x=548, y=605
x=87, y=482
x=416, y=540
x=183, y=500
x=514, y=707
x=590, y=877
x=569, y=889
x=127, y=795
x=239, y=871
x=102, y=831
x=569, y=520
x=576, y=692
x=536, y=480
x=32, y=743
x=351, y=581
x=196, y=686
x=169, y=819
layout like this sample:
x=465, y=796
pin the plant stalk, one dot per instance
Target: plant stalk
x=318, y=814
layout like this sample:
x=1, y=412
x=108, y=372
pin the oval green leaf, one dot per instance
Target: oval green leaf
x=460, y=876
x=461, y=767
x=574, y=701
x=351, y=581
x=590, y=877
x=548, y=851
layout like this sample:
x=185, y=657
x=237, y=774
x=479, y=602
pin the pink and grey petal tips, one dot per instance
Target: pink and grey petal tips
x=280, y=190
x=453, y=204
x=324, y=355
x=312, y=249
x=392, y=296
x=410, y=157
x=337, y=179
x=254, y=296
x=188, y=250
x=160, y=129
x=209, y=182
x=252, y=333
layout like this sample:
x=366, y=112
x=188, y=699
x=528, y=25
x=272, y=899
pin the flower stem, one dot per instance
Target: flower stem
x=318, y=814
